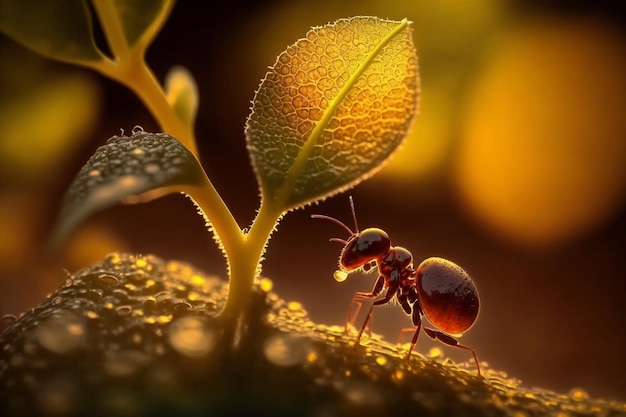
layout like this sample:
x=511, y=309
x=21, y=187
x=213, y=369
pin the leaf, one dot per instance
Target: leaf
x=126, y=169
x=182, y=94
x=59, y=29
x=62, y=29
x=332, y=109
x=141, y=20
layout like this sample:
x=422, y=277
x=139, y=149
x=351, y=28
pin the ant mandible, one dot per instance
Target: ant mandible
x=439, y=289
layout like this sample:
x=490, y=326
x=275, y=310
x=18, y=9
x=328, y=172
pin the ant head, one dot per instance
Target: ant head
x=369, y=245
x=361, y=248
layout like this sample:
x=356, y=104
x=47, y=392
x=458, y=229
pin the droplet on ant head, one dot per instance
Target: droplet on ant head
x=340, y=276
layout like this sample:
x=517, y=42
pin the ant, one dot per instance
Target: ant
x=439, y=289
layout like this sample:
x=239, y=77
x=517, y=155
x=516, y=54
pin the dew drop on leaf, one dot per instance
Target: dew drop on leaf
x=129, y=169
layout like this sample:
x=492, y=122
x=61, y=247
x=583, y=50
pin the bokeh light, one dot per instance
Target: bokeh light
x=542, y=157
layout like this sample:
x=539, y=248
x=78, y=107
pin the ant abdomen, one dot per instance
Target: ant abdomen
x=447, y=295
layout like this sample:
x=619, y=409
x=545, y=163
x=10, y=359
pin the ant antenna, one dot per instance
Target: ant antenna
x=356, y=226
x=340, y=223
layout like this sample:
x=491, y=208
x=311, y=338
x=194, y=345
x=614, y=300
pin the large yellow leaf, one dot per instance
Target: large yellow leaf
x=332, y=109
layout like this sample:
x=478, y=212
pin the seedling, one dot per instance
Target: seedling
x=327, y=115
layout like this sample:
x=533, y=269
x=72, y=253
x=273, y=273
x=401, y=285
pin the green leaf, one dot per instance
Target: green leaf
x=141, y=20
x=332, y=109
x=59, y=29
x=131, y=170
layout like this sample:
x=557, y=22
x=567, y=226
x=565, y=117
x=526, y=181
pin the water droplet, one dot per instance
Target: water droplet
x=191, y=336
x=162, y=296
x=149, y=303
x=141, y=263
x=124, y=310
x=381, y=360
x=108, y=279
x=151, y=168
x=578, y=394
x=8, y=319
x=286, y=350
x=137, y=276
x=62, y=333
x=340, y=276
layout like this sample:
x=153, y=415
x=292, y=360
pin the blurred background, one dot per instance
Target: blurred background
x=516, y=170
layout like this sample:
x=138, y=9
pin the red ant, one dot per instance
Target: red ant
x=438, y=289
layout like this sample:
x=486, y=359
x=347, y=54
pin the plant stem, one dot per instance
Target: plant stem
x=129, y=68
x=245, y=263
x=244, y=251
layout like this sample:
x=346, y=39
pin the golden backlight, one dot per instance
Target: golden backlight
x=543, y=153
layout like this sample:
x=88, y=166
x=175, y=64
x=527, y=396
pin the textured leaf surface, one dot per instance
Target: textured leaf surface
x=128, y=169
x=333, y=108
x=59, y=29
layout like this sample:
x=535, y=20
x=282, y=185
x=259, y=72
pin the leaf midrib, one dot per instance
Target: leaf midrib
x=299, y=163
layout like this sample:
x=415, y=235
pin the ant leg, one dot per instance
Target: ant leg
x=367, y=319
x=351, y=318
x=404, y=332
x=414, y=340
x=417, y=322
x=388, y=296
x=451, y=341
x=404, y=303
x=391, y=291
x=358, y=297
